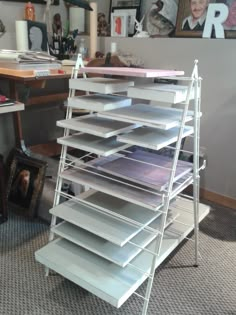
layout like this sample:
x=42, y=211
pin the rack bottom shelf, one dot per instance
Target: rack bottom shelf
x=105, y=279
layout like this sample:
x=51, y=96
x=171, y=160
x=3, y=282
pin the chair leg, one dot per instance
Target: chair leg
x=3, y=193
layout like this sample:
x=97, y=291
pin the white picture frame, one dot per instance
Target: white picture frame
x=119, y=24
x=132, y=16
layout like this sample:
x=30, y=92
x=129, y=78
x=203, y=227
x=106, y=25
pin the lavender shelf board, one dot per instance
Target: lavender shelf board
x=141, y=167
x=86, y=269
x=153, y=138
x=98, y=102
x=123, y=190
x=168, y=93
x=93, y=144
x=94, y=219
x=131, y=72
x=151, y=116
x=100, y=85
x=98, y=126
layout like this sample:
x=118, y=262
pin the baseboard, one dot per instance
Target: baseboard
x=219, y=199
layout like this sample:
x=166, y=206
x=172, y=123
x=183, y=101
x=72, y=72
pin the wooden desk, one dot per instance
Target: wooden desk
x=3, y=195
x=29, y=79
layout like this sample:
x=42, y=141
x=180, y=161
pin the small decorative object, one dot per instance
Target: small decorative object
x=161, y=18
x=29, y=12
x=25, y=184
x=57, y=25
x=139, y=29
x=37, y=36
x=2, y=28
x=119, y=24
x=103, y=27
x=196, y=20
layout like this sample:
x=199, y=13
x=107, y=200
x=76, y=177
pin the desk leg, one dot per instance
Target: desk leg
x=19, y=141
x=3, y=193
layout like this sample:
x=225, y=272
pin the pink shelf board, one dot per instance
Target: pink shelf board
x=132, y=72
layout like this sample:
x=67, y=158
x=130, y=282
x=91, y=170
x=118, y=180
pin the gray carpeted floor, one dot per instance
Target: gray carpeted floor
x=178, y=288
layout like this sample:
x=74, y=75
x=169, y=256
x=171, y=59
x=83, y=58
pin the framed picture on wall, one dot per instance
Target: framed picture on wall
x=191, y=22
x=119, y=24
x=132, y=12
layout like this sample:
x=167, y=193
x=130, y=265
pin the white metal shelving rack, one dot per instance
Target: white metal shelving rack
x=115, y=234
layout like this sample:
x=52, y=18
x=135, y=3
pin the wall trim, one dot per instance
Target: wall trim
x=217, y=198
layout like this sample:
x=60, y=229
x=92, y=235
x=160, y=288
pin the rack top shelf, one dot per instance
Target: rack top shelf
x=131, y=72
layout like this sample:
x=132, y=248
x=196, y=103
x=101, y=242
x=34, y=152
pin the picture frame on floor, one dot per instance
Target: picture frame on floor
x=25, y=183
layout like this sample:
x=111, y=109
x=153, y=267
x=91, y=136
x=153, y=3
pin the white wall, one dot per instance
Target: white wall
x=217, y=66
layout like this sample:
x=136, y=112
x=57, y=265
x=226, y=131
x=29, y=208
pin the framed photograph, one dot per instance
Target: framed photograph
x=119, y=24
x=191, y=22
x=132, y=12
x=25, y=183
x=37, y=36
x=54, y=2
x=125, y=4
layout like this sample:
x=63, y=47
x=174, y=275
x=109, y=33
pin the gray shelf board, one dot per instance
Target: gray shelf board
x=93, y=144
x=151, y=116
x=12, y=108
x=153, y=138
x=94, y=180
x=118, y=255
x=169, y=93
x=98, y=102
x=97, y=126
x=107, y=227
x=100, y=85
x=105, y=279
x=144, y=174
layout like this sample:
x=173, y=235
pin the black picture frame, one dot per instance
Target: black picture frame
x=55, y=2
x=133, y=13
x=37, y=36
x=26, y=177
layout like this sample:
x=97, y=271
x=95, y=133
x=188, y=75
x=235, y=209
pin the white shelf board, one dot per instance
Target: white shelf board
x=100, y=85
x=126, y=192
x=151, y=116
x=141, y=167
x=93, y=144
x=131, y=72
x=118, y=255
x=104, y=279
x=91, y=124
x=169, y=93
x=12, y=108
x=97, y=222
x=153, y=138
x=98, y=102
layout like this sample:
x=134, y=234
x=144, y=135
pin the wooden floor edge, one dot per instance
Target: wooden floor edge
x=217, y=198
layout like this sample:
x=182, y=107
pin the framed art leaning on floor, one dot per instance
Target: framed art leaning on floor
x=25, y=184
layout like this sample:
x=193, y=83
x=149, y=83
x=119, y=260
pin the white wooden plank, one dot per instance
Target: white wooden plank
x=12, y=108
x=126, y=192
x=152, y=138
x=98, y=102
x=110, y=228
x=104, y=279
x=142, y=167
x=151, y=116
x=100, y=85
x=91, y=124
x=169, y=93
x=118, y=255
x=93, y=144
